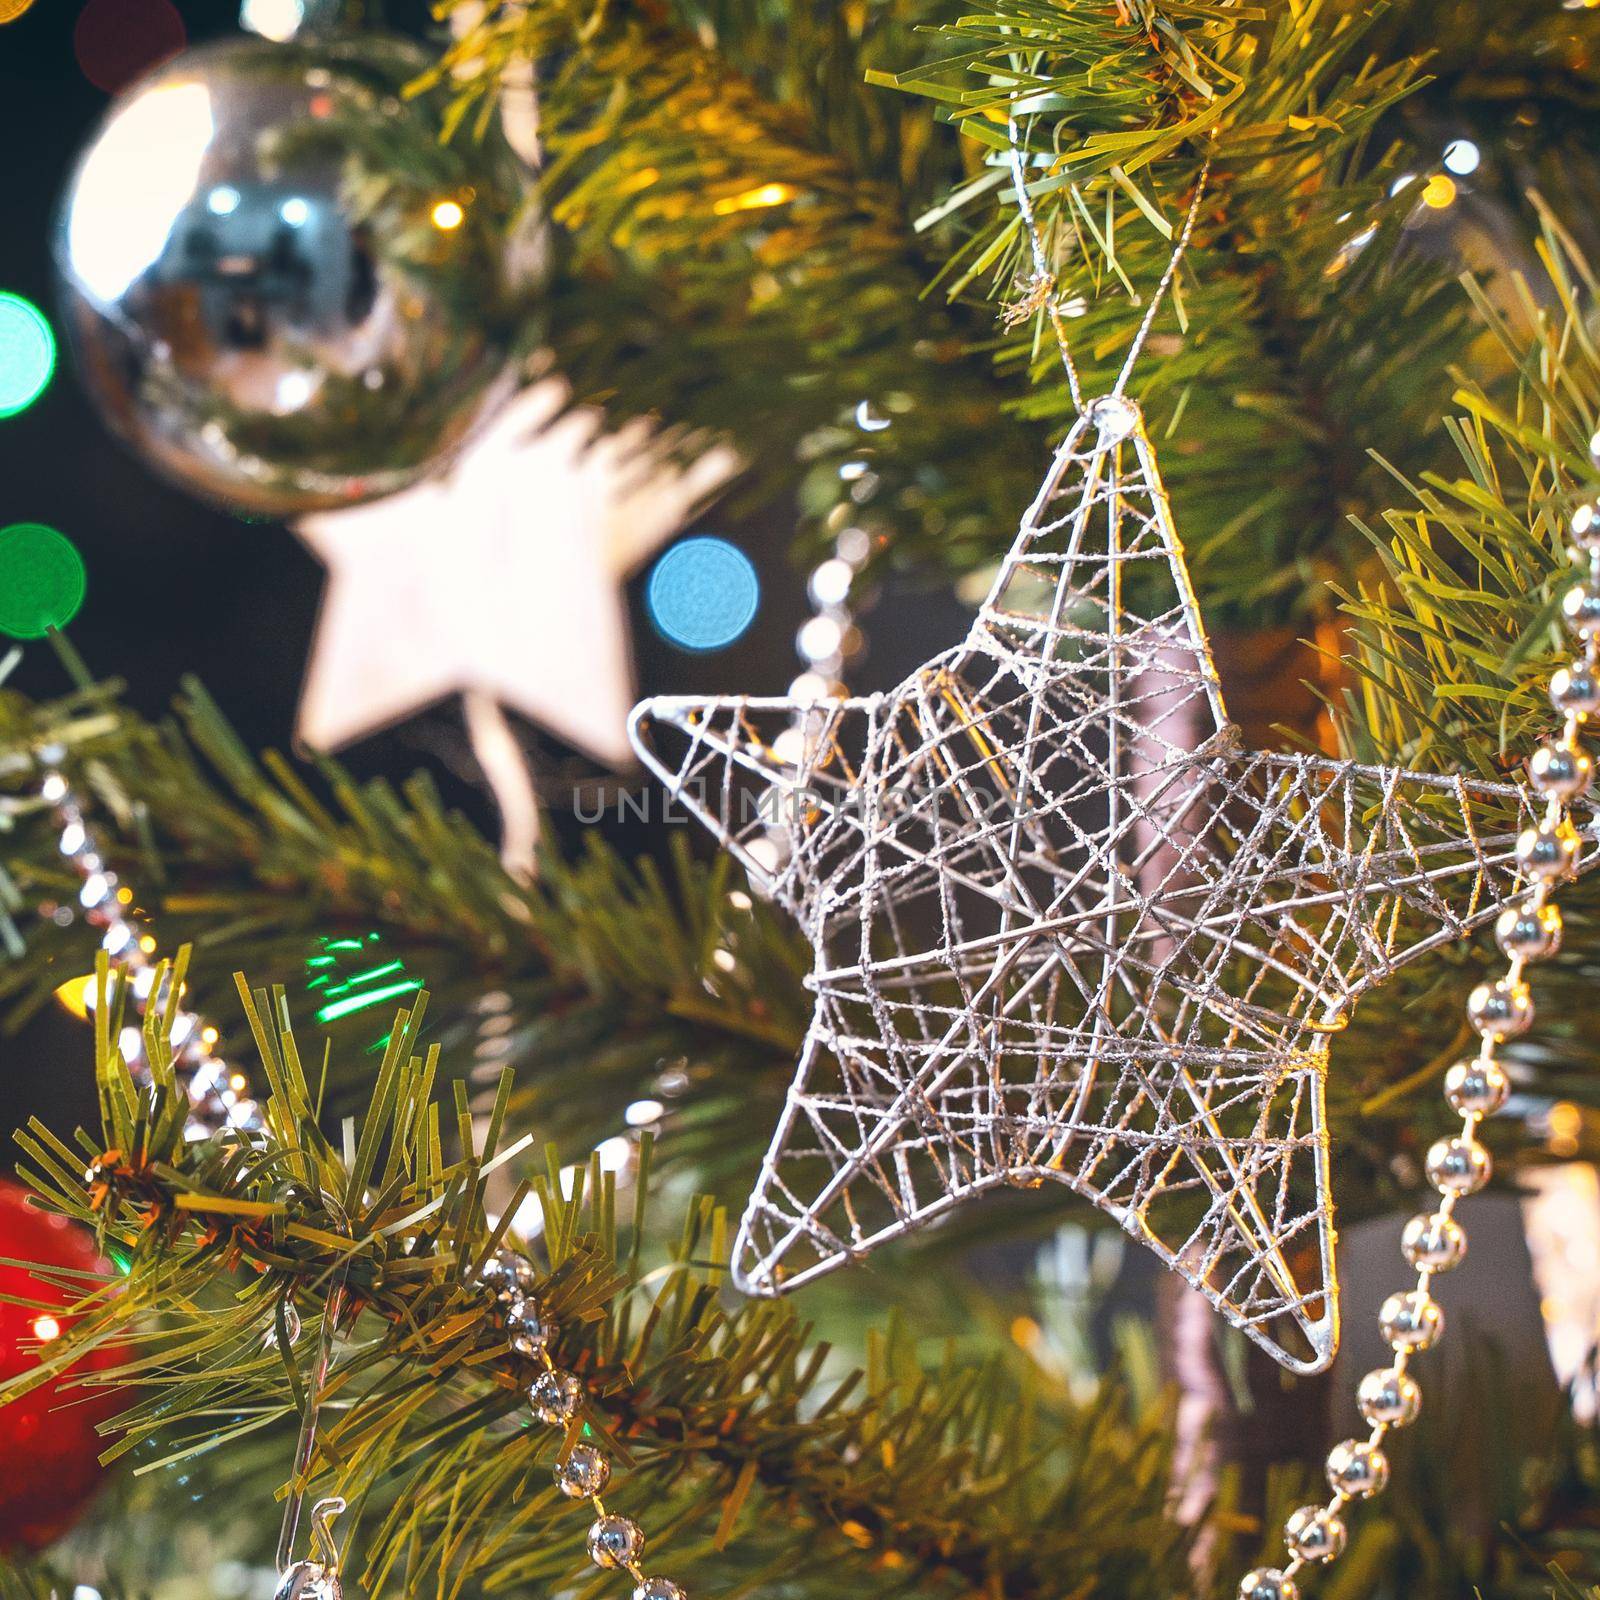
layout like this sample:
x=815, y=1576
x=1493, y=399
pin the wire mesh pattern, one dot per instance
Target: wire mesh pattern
x=1067, y=928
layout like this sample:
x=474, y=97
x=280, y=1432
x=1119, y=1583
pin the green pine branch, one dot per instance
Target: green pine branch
x=608, y=972
x=738, y=1446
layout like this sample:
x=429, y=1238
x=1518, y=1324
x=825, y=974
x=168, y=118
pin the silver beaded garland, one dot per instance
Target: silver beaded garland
x=658, y=1589
x=1560, y=771
x=1389, y=1397
x=1580, y=605
x=1548, y=852
x=1267, y=1583
x=1575, y=690
x=1357, y=1469
x=1458, y=1166
x=1314, y=1533
x=1501, y=1010
x=1528, y=930
x=615, y=1541
x=583, y=1470
x=1434, y=1241
x=1411, y=1320
x=1476, y=1088
x=1585, y=528
x=555, y=1396
x=1532, y=934
x=508, y=1275
x=528, y=1330
x=219, y=1095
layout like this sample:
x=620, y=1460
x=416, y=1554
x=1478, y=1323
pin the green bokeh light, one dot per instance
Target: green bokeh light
x=42, y=580
x=27, y=353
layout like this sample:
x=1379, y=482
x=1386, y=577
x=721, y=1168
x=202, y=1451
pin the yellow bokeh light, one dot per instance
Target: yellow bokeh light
x=1439, y=191
x=769, y=194
x=10, y=10
x=74, y=995
x=1565, y=1124
x=148, y=944
x=447, y=215
x=125, y=896
x=46, y=1328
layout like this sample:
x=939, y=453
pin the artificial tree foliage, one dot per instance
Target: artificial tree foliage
x=763, y=213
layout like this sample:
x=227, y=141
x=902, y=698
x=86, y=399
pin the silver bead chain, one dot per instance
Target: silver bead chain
x=219, y=1095
x=582, y=1470
x=220, y=1098
x=1528, y=930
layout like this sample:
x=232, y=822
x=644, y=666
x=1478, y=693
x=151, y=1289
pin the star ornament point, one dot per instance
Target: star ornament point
x=1068, y=928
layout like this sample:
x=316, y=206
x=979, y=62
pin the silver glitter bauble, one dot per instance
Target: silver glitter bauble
x=1267, y=1583
x=509, y=1275
x=1458, y=1166
x=1580, y=605
x=1575, y=688
x=1501, y=1010
x=583, y=1472
x=615, y=1541
x=309, y=1580
x=1546, y=852
x=1357, y=1468
x=1411, y=1321
x=1476, y=1088
x=528, y=1330
x=1314, y=1533
x=1434, y=1241
x=282, y=289
x=659, y=1589
x=1530, y=933
x=555, y=1397
x=1390, y=1397
x=1560, y=771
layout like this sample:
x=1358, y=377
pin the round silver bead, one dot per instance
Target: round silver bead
x=583, y=1472
x=555, y=1397
x=1532, y=932
x=1458, y=1166
x=1314, y=1533
x=1575, y=689
x=1585, y=526
x=1434, y=1241
x=1358, y=1469
x=1411, y=1321
x=1476, y=1088
x=528, y=1330
x=1267, y=1583
x=509, y=1275
x=1548, y=853
x=615, y=1542
x=1501, y=1010
x=659, y=1589
x=309, y=1580
x=1560, y=771
x=1580, y=606
x=1390, y=1397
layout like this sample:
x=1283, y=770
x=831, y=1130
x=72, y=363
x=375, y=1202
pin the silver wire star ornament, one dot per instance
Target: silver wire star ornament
x=1067, y=928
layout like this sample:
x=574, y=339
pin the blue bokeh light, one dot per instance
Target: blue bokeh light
x=702, y=594
x=27, y=353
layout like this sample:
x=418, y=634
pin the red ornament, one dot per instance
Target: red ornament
x=48, y=1437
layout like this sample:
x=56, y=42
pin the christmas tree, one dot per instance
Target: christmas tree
x=417, y=1173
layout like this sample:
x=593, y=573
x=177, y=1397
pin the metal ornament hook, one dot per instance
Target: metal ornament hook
x=316, y=1579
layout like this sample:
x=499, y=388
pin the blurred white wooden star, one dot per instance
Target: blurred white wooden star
x=502, y=581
